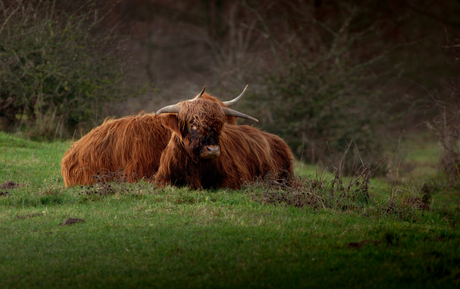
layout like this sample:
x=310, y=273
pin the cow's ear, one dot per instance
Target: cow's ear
x=171, y=122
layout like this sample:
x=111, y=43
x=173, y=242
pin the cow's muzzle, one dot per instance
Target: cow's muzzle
x=210, y=152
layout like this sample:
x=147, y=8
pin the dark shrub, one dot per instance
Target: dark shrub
x=55, y=71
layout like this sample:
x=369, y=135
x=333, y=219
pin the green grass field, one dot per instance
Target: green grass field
x=140, y=236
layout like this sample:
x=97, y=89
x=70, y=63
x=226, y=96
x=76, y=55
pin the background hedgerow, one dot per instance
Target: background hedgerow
x=320, y=100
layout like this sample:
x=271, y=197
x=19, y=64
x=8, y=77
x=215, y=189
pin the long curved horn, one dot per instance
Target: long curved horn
x=169, y=109
x=231, y=112
x=199, y=95
x=175, y=108
x=235, y=100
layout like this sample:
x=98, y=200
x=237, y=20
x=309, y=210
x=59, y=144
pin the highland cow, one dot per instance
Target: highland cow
x=206, y=152
x=128, y=147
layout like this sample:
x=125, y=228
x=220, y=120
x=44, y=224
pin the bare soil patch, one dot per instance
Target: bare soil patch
x=360, y=244
x=9, y=185
x=71, y=221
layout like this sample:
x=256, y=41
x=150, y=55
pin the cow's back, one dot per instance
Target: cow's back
x=251, y=153
x=280, y=153
x=133, y=144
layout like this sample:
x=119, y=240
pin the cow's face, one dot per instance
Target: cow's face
x=199, y=125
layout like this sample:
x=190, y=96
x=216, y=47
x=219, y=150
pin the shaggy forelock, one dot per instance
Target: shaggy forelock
x=203, y=113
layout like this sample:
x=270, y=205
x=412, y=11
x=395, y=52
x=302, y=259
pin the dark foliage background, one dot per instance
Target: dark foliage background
x=321, y=73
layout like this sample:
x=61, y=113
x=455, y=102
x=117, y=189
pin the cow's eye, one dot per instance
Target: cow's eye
x=193, y=127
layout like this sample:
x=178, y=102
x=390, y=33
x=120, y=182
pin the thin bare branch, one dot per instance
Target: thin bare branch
x=8, y=18
x=380, y=56
x=341, y=34
x=267, y=34
x=313, y=19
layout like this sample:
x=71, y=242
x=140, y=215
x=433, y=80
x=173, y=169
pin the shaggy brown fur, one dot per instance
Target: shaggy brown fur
x=131, y=145
x=245, y=152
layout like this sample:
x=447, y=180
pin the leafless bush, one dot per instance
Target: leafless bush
x=446, y=125
x=354, y=191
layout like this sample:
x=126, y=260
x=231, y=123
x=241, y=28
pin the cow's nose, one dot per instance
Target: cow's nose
x=210, y=152
x=213, y=149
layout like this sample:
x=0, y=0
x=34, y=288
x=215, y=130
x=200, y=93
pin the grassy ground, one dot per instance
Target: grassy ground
x=141, y=236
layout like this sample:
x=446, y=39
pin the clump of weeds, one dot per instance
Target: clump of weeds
x=341, y=193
